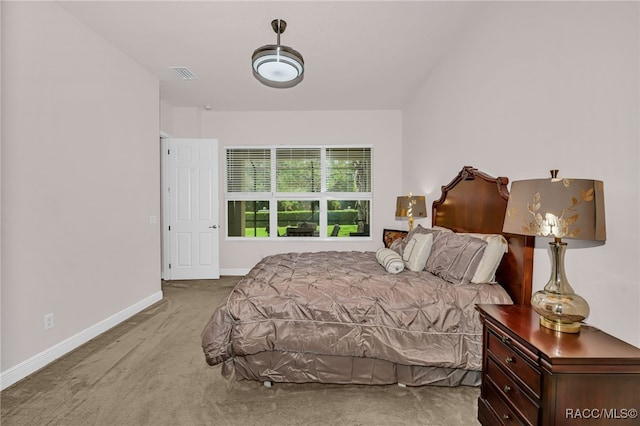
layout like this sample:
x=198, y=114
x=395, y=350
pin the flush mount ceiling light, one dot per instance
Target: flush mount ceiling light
x=275, y=65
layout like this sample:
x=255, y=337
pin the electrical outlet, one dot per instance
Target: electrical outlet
x=48, y=321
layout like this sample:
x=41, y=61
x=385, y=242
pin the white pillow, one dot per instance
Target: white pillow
x=417, y=251
x=390, y=260
x=497, y=246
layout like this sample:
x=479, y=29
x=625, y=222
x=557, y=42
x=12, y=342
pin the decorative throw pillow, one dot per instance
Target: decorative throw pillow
x=497, y=246
x=399, y=244
x=421, y=230
x=390, y=260
x=455, y=258
x=417, y=251
x=441, y=228
x=390, y=235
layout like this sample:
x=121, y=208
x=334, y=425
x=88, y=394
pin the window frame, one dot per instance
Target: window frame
x=323, y=197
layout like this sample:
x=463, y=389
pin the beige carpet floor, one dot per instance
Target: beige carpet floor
x=150, y=370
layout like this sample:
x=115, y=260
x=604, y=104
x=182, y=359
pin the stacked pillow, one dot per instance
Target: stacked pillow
x=390, y=235
x=497, y=246
x=416, y=252
x=459, y=258
x=455, y=258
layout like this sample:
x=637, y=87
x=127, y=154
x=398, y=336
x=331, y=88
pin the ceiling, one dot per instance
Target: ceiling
x=359, y=55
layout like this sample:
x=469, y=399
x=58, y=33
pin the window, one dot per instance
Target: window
x=298, y=191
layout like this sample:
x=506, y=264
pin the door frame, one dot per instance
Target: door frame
x=164, y=185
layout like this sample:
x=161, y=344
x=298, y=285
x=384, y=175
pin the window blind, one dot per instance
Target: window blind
x=348, y=169
x=298, y=169
x=248, y=170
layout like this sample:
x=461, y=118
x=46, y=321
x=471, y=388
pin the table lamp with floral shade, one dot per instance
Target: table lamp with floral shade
x=411, y=206
x=557, y=208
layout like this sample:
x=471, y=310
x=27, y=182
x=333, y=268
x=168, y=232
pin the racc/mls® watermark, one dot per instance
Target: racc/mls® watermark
x=601, y=413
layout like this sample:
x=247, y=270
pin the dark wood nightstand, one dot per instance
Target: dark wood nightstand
x=535, y=376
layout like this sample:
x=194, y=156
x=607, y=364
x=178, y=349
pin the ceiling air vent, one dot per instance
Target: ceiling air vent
x=183, y=73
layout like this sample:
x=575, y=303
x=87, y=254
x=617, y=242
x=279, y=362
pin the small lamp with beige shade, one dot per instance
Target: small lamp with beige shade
x=411, y=206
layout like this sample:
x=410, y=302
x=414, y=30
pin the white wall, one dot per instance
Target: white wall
x=1, y=80
x=80, y=180
x=542, y=85
x=381, y=129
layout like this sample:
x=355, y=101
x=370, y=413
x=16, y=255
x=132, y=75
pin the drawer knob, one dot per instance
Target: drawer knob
x=505, y=417
x=505, y=339
x=508, y=359
x=506, y=388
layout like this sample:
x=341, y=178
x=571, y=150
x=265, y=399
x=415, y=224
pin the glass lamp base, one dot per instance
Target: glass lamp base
x=559, y=307
x=560, y=312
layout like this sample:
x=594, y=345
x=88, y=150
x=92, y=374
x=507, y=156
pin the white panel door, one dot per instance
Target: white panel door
x=192, y=207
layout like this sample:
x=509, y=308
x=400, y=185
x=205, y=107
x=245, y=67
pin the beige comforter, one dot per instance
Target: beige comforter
x=346, y=304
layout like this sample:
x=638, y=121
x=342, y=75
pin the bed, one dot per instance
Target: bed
x=342, y=317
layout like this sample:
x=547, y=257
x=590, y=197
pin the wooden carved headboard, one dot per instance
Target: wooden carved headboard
x=476, y=202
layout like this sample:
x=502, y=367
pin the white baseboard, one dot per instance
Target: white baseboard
x=234, y=272
x=35, y=363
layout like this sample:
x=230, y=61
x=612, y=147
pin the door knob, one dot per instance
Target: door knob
x=213, y=227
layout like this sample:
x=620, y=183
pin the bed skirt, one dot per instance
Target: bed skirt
x=293, y=367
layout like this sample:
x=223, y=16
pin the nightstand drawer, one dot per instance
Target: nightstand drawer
x=505, y=354
x=511, y=392
x=504, y=414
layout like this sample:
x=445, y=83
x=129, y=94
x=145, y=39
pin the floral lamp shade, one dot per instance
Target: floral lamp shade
x=558, y=208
